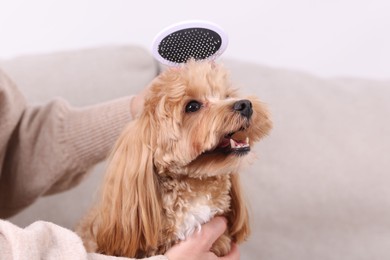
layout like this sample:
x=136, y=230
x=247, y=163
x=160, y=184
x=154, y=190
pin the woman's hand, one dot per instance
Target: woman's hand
x=198, y=245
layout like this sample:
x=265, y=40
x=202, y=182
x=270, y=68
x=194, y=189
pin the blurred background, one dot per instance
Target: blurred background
x=327, y=38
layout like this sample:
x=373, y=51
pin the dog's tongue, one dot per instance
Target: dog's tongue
x=239, y=144
x=234, y=144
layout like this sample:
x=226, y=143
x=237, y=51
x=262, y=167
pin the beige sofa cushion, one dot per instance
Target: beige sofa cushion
x=320, y=188
x=83, y=76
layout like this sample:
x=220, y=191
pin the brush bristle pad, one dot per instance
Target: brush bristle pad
x=182, y=45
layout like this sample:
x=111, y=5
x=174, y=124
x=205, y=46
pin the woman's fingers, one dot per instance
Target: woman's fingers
x=211, y=231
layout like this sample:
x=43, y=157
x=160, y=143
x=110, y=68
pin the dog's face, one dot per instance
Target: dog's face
x=198, y=125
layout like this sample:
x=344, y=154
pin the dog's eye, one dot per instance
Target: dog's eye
x=193, y=106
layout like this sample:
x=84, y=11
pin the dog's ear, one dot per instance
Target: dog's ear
x=129, y=217
x=238, y=217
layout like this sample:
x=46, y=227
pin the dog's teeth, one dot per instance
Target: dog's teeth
x=247, y=140
x=232, y=143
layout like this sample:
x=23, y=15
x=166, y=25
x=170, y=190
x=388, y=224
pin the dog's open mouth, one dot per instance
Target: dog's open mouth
x=229, y=145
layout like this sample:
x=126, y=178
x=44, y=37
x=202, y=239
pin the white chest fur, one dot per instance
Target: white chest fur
x=190, y=202
x=197, y=213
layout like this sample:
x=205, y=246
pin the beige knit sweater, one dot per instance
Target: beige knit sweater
x=44, y=150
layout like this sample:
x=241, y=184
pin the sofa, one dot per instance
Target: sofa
x=320, y=186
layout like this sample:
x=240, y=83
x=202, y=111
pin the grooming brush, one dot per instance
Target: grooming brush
x=200, y=40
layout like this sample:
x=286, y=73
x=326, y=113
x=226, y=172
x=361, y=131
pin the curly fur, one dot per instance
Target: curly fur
x=171, y=170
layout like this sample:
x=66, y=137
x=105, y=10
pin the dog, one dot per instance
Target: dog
x=176, y=166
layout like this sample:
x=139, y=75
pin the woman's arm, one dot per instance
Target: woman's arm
x=47, y=149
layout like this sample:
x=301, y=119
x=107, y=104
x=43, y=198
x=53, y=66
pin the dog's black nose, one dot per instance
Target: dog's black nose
x=244, y=107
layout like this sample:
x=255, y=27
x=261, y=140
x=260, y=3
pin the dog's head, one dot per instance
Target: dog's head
x=199, y=126
x=193, y=125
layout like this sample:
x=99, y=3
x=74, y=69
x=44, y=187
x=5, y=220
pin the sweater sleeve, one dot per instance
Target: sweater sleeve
x=45, y=240
x=47, y=149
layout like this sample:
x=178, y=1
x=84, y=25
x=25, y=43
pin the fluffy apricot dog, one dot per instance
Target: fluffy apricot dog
x=176, y=166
